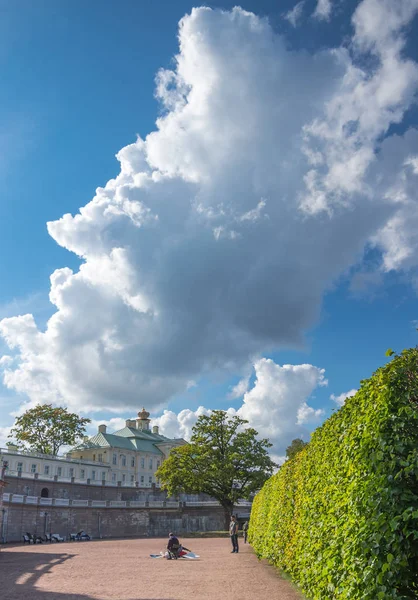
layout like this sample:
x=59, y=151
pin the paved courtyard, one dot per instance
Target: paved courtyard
x=123, y=570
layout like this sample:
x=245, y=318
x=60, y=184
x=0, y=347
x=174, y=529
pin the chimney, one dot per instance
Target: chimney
x=128, y=423
x=155, y=429
x=85, y=438
x=102, y=428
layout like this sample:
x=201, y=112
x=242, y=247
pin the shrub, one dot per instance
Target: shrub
x=342, y=516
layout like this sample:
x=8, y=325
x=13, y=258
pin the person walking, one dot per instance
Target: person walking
x=233, y=534
x=245, y=531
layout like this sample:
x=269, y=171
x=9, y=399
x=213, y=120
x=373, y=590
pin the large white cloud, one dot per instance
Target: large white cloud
x=264, y=181
x=276, y=406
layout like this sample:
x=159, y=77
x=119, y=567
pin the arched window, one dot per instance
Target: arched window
x=45, y=493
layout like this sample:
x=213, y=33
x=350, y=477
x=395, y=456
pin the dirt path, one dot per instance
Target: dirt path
x=123, y=570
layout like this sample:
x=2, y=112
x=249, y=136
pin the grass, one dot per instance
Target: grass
x=205, y=534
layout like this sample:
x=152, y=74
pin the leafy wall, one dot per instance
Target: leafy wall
x=342, y=516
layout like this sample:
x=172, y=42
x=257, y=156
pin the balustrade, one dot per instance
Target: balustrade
x=79, y=503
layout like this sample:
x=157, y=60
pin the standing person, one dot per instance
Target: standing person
x=233, y=534
x=245, y=531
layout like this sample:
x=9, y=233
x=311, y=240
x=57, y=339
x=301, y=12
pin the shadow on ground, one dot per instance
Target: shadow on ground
x=20, y=572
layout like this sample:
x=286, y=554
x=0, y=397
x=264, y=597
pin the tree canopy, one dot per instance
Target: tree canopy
x=45, y=429
x=224, y=459
x=295, y=447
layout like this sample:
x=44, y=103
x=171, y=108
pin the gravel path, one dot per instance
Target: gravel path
x=123, y=570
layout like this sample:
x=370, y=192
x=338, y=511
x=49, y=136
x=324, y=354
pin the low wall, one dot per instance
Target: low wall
x=108, y=522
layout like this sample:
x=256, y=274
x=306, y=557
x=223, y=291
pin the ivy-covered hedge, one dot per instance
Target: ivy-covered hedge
x=342, y=516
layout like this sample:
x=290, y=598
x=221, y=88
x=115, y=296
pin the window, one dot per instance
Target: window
x=114, y=459
x=93, y=475
x=142, y=463
x=100, y=457
x=150, y=479
x=94, y=457
x=71, y=472
x=33, y=468
x=123, y=459
x=45, y=493
x=132, y=478
x=150, y=463
x=158, y=464
x=114, y=477
x=103, y=475
x=19, y=467
x=59, y=471
x=83, y=474
x=133, y=461
x=46, y=469
x=142, y=479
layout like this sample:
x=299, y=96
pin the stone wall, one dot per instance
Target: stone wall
x=108, y=522
x=84, y=491
x=77, y=491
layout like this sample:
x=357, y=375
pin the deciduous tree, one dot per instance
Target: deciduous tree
x=45, y=428
x=296, y=446
x=224, y=459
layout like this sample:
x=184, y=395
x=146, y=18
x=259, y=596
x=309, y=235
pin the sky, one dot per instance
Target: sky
x=205, y=207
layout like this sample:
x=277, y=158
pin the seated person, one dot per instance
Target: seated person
x=174, y=546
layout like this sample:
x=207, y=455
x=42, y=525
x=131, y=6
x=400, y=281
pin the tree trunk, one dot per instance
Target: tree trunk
x=228, y=508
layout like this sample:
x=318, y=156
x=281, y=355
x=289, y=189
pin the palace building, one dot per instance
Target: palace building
x=132, y=454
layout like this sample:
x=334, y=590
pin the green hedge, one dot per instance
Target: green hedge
x=342, y=516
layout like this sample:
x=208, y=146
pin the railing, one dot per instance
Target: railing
x=79, y=503
x=61, y=501
x=172, y=504
x=77, y=480
x=51, y=457
x=45, y=501
x=99, y=503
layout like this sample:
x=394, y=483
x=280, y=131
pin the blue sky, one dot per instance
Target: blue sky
x=79, y=85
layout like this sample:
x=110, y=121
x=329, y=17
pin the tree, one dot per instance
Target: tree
x=223, y=459
x=295, y=447
x=46, y=428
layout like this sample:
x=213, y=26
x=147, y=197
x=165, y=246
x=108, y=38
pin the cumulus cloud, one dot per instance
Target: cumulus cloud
x=113, y=424
x=276, y=406
x=265, y=179
x=179, y=425
x=295, y=14
x=4, y=436
x=359, y=114
x=323, y=10
x=339, y=400
x=6, y=360
x=240, y=388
